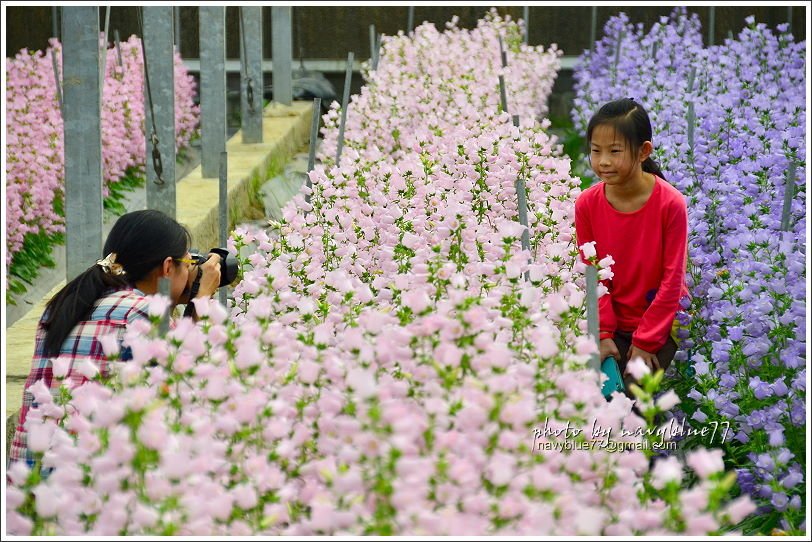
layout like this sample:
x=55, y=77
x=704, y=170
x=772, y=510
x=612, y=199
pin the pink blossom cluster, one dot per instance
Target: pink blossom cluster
x=385, y=368
x=455, y=91
x=34, y=132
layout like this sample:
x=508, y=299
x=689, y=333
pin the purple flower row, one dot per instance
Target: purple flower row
x=729, y=132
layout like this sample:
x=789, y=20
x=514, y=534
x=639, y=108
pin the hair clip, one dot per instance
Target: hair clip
x=110, y=266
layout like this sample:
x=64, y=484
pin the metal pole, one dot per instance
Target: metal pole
x=82, y=136
x=377, y=52
x=618, y=47
x=593, y=29
x=212, y=88
x=789, y=194
x=159, y=51
x=57, y=80
x=223, y=208
x=592, y=313
x=691, y=122
x=502, y=89
x=55, y=21
x=103, y=49
x=526, y=24
x=344, y=104
x=176, y=29
x=372, y=46
x=314, y=136
x=118, y=48
x=521, y=193
x=410, y=22
x=711, y=24
x=503, y=93
x=251, y=100
x=282, y=55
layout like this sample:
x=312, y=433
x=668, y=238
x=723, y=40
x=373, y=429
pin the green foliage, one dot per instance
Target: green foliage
x=35, y=254
x=37, y=250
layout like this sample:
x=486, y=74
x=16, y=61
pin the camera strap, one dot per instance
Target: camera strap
x=190, y=307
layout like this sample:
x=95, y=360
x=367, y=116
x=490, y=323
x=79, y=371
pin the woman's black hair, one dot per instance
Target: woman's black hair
x=141, y=240
x=631, y=121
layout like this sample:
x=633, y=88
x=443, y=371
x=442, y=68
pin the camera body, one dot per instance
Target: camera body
x=228, y=264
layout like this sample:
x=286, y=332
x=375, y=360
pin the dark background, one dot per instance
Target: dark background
x=330, y=32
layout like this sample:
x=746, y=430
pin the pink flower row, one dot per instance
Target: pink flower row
x=385, y=369
x=34, y=132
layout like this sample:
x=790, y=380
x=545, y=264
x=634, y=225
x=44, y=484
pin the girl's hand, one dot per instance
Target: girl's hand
x=650, y=359
x=609, y=348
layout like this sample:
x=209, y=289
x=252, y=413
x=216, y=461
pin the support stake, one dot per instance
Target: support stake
x=314, y=137
x=789, y=194
x=593, y=28
x=118, y=49
x=345, y=101
x=57, y=80
x=592, y=313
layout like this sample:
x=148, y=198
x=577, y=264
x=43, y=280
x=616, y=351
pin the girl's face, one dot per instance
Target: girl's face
x=612, y=158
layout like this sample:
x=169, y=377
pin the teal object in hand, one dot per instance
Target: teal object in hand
x=614, y=381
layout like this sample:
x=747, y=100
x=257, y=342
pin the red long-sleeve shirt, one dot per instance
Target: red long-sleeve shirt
x=649, y=247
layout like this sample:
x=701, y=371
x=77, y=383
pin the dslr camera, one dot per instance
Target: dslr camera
x=228, y=264
x=228, y=272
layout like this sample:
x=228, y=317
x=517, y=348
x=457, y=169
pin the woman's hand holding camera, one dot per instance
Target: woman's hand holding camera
x=210, y=278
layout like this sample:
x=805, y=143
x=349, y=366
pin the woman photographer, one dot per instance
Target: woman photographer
x=142, y=248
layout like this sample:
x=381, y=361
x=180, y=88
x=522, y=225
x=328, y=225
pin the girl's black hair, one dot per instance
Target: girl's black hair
x=141, y=240
x=631, y=121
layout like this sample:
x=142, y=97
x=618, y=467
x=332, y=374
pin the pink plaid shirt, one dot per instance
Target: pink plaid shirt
x=111, y=314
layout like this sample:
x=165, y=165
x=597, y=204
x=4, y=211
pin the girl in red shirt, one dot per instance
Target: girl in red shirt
x=640, y=220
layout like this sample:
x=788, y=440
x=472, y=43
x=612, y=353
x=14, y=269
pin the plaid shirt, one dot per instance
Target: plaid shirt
x=111, y=315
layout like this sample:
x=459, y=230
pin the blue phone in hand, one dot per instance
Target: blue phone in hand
x=614, y=380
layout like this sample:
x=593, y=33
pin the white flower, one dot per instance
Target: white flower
x=666, y=470
x=668, y=400
x=608, y=261
x=638, y=368
x=589, y=250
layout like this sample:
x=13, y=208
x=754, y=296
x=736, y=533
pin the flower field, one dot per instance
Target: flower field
x=729, y=125
x=35, y=180
x=387, y=369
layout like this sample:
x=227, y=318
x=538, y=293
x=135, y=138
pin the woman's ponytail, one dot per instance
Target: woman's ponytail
x=73, y=303
x=138, y=242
